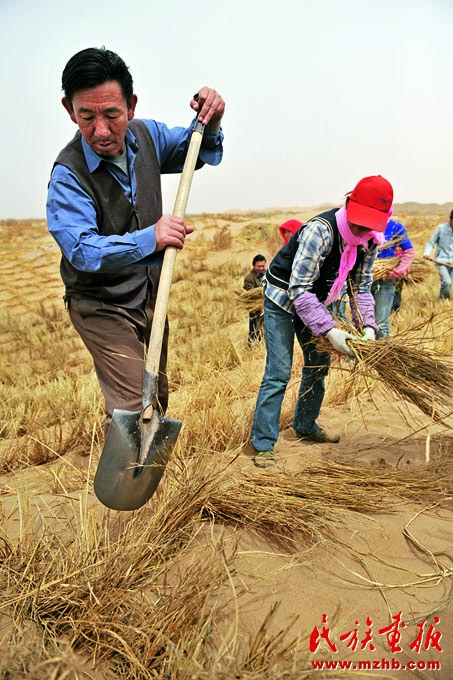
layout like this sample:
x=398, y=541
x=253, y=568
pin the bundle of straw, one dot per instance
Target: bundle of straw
x=406, y=369
x=251, y=299
x=419, y=270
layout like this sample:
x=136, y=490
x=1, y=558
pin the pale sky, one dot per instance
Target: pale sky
x=319, y=93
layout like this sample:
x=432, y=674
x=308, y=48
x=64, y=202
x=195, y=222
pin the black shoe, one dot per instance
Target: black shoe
x=319, y=437
x=264, y=459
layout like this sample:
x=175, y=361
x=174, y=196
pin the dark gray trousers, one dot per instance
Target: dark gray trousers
x=117, y=339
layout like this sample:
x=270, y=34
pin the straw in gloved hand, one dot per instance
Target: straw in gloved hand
x=368, y=333
x=339, y=340
x=405, y=368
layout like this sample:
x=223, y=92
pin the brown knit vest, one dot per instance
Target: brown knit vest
x=127, y=286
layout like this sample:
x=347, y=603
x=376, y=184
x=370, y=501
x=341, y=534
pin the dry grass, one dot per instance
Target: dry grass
x=419, y=271
x=407, y=366
x=141, y=598
x=307, y=506
x=86, y=593
x=250, y=300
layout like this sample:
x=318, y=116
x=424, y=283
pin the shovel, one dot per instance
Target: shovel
x=139, y=443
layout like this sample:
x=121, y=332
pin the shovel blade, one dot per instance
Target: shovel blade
x=127, y=476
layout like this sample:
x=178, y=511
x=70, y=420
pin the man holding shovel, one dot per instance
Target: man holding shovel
x=104, y=209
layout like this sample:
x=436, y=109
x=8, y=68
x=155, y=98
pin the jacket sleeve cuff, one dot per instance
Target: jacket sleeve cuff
x=362, y=311
x=146, y=240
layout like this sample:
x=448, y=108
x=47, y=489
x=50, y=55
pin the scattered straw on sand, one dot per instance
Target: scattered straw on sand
x=307, y=505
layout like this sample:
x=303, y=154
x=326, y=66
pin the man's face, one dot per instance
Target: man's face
x=102, y=115
x=260, y=267
x=451, y=222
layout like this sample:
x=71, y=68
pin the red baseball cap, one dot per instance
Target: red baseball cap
x=370, y=202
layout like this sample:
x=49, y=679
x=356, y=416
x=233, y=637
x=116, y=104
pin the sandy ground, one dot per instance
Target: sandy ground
x=373, y=576
x=372, y=598
x=391, y=569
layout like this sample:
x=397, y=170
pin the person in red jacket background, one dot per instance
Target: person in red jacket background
x=288, y=228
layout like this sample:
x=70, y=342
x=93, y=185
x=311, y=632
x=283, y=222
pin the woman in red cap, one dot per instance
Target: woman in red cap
x=306, y=275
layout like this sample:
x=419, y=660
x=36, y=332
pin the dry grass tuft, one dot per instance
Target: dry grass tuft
x=222, y=238
x=140, y=598
x=407, y=366
x=308, y=505
x=251, y=300
x=419, y=271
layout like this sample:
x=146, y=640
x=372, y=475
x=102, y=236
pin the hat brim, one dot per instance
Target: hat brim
x=367, y=217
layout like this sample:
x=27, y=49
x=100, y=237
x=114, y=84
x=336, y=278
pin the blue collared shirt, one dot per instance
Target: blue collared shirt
x=71, y=215
x=443, y=240
x=396, y=235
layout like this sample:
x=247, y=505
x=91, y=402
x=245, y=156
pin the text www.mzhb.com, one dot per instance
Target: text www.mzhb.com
x=378, y=665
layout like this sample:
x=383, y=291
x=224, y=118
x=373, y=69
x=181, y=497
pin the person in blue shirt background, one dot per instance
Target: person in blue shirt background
x=397, y=243
x=442, y=239
x=104, y=209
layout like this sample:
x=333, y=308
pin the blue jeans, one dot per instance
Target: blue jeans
x=396, y=306
x=255, y=331
x=280, y=327
x=445, y=274
x=384, y=293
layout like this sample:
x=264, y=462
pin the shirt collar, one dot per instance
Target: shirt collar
x=92, y=158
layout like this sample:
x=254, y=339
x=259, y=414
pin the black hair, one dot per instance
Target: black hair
x=451, y=214
x=93, y=67
x=258, y=258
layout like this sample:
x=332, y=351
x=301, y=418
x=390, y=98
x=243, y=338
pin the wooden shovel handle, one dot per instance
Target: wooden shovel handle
x=443, y=264
x=163, y=293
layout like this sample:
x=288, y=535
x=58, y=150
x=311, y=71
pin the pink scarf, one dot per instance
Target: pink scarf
x=349, y=254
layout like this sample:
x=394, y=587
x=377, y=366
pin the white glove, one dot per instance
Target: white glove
x=368, y=333
x=338, y=339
